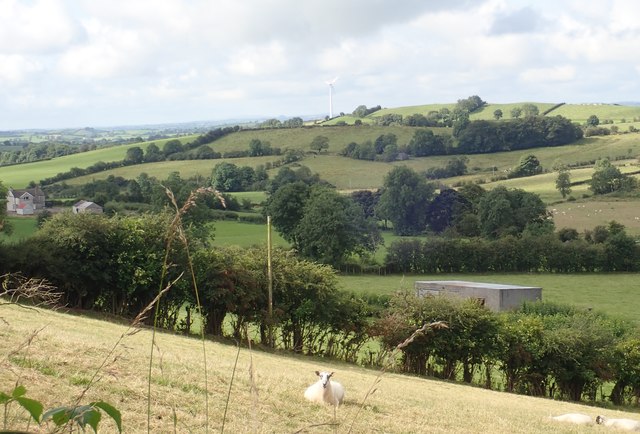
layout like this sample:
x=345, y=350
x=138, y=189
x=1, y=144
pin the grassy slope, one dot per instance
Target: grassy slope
x=59, y=362
x=23, y=227
x=20, y=175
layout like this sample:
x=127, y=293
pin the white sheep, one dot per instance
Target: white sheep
x=576, y=418
x=625, y=424
x=325, y=390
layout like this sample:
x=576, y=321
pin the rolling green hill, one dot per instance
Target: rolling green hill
x=349, y=174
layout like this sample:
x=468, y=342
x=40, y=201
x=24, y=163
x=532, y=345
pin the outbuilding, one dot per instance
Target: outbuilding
x=495, y=296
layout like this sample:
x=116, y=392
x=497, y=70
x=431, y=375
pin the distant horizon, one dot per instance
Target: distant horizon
x=249, y=119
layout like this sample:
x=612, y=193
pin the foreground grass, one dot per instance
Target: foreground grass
x=266, y=394
x=613, y=293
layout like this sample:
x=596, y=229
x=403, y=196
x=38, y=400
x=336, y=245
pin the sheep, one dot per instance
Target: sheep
x=625, y=424
x=325, y=390
x=576, y=418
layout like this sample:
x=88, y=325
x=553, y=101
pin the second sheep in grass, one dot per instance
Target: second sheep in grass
x=624, y=424
x=325, y=390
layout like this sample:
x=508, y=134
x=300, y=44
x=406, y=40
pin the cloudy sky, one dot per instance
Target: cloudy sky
x=80, y=63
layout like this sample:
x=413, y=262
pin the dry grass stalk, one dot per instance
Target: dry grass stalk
x=18, y=289
x=390, y=360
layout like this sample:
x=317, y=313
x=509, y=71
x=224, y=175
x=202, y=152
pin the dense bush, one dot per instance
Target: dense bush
x=512, y=254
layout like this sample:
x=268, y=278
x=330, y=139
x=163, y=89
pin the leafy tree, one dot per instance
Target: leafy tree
x=319, y=143
x=385, y=140
x=258, y=148
x=563, y=181
x=404, y=200
x=172, y=147
x=530, y=110
x=333, y=227
x=134, y=155
x=287, y=175
x=152, y=153
x=367, y=200
x=425, y=143
x=593, y=121
x=497, y=114
x=205, y=152
x=529, y=165
x=447, y=207
x=508, y=212
x=286, y=208
x=226, y=177
x=516, y=112
x=607, y=178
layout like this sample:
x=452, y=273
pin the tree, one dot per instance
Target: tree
x=563, y=181
x=529, y=166
x=404, y=200
x=152, y=153
x=606, y=178
x=319, y=143
x=593, y=121
x=285, y=206
x=497, y=114
x=425, y=143
x=530, y=110
x=445, y=209
x=172, y=147
x=508, y=212
x=226, y=177
x=134, y=156
x=516, y=112
x=333, y=227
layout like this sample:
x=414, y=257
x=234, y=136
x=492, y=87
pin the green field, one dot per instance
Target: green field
x=228, y=233
x=23, y=227
x=615, y=294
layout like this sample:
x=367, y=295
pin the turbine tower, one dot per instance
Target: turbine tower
x=331, y=83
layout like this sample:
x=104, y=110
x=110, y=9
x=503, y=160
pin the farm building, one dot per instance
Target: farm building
x=23, y=202
x=85, y=206
x=496, y=297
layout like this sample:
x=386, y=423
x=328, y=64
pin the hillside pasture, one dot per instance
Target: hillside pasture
x=581, y=112
x=266, y=395
x=162, y=169
x=300, y=138
x=585, y=215
x=19, y=176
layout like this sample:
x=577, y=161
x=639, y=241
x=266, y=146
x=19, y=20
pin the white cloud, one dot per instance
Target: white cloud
x=544, y=75
x=40, y=26
x=123, y=61
x=16, y=69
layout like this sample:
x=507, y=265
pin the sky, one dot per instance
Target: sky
x=92, y=63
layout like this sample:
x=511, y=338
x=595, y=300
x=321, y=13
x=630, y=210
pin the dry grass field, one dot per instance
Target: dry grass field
x=55, y=355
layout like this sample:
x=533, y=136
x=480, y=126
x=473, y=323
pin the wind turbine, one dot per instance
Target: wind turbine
x=331, y=83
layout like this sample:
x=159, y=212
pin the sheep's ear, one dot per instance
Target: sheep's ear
x=331, y=374
x=318, y=373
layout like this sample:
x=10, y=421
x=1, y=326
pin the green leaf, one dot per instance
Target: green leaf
x=87, y=415
x=111, y=411
x=4, y=398
x=18, y=391
x=59, y=415
x=34, y=407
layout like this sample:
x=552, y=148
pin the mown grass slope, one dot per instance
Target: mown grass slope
x=266, y=395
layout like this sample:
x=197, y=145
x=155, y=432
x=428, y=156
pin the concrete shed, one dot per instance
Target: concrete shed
x=496, y=297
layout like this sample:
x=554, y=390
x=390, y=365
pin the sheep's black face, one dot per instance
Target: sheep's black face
x=599, y=420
